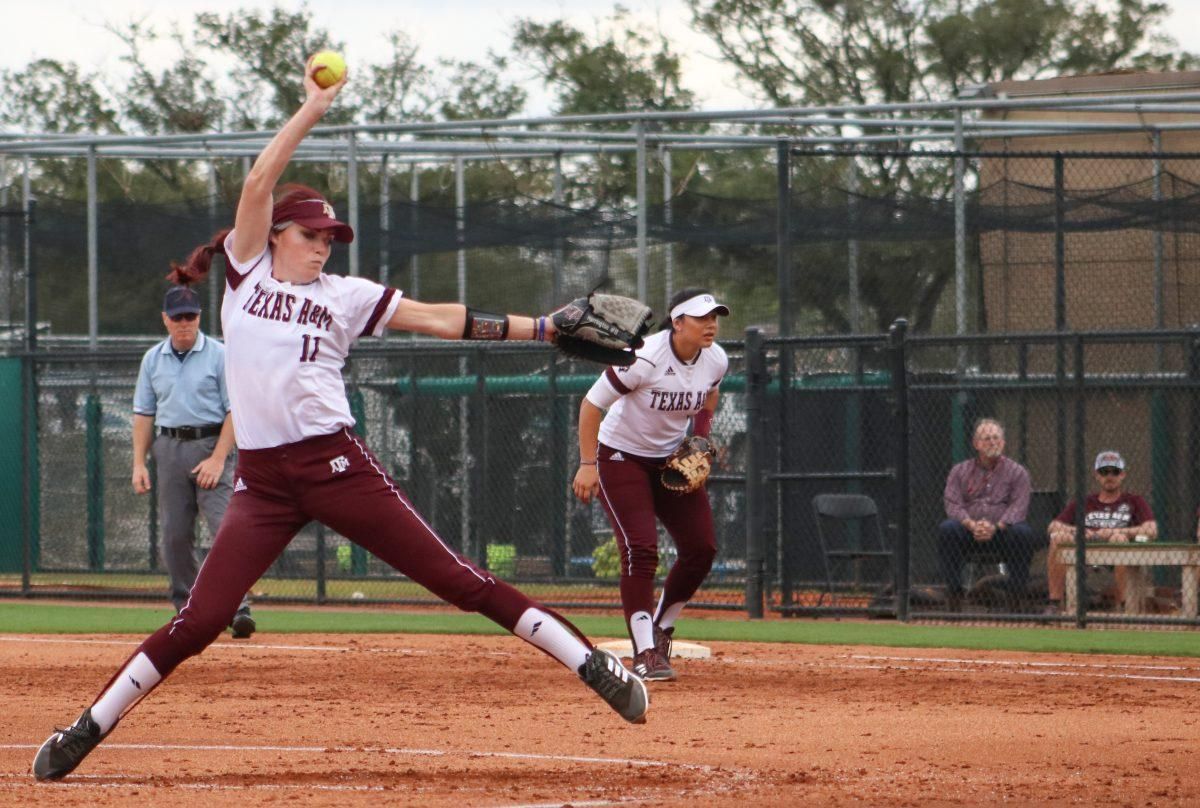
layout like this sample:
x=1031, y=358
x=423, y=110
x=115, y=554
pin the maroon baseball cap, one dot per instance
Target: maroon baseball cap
x=314, y=213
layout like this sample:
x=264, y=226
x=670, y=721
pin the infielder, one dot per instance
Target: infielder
x=288, y=327
x=181, y=390
x=621, y=455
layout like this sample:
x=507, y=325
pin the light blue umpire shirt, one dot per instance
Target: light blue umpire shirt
x=187, y=392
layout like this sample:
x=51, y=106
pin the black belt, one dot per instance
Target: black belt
x=190, y=432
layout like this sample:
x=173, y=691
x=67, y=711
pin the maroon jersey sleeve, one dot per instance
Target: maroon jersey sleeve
x=1141, y=510
x=1067, y=517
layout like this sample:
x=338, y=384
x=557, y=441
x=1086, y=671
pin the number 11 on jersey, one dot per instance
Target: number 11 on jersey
x=308, y=353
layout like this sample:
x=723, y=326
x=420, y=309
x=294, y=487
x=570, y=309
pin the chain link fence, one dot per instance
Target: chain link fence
x=482, y=438
x=1072, y=278
x=1061, y=398
x=1022, y=242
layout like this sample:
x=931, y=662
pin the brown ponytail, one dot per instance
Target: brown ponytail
x=196, y=267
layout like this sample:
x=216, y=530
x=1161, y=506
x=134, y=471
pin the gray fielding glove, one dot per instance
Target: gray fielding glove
x=602, y=328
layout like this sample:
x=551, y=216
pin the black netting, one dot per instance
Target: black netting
x=888, y=221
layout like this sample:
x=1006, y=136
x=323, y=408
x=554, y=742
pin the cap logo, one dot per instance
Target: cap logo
x=697, y=306
x=328, y=210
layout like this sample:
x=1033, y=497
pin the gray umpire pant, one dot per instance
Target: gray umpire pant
x=180, y=500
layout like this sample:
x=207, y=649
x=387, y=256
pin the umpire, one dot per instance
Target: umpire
x=181, y=390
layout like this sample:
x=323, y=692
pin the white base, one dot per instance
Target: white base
x=679, y=648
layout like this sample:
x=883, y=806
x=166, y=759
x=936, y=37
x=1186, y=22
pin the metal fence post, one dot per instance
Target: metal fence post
x=643, y=264
x=352, y=201
x=152, y=512
x=321, y=581
x=783, y=233
x=1081, y=476
x=560, y=426
x=95, y=482
x=215, y=279
x=358, y=409
x=479, y=429
x=756, y=382
x=414, y=224
x=1060, y=321
x=1023, y=404
x=93, y=252
x=29, y=480
x=664, y=153
x=899, y=366
x=783, y=271
x=1192, y=411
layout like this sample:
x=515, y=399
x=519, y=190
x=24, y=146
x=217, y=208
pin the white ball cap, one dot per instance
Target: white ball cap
x=699, y=306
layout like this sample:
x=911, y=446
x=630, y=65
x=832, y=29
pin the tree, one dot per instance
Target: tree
x=620, y=69
x=231, y=72
x=623, y=70
x=879, y=51
x=479, y=91
x=839, y=52
x=268, y=47
x=399, y=89
x=52, y=96
x=56, y=97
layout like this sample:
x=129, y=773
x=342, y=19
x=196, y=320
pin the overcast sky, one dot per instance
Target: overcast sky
x=73, y=30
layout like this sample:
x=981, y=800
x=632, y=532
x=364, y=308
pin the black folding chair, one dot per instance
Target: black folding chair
x=851, y=532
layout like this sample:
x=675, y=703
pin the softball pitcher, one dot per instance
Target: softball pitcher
x=650, y=404
x=288, y=327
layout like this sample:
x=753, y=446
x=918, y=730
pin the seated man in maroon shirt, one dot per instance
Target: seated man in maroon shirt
x=1113, y=515
x=986, y=500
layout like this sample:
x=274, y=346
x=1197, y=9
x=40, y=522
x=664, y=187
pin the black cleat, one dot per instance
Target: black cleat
x=243, y=624
x=651, y=666
x=624, y=692
x=66, y=748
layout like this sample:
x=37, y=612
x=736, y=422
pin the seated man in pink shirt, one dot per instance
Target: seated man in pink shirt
x=1113, y=515
x=986, y=500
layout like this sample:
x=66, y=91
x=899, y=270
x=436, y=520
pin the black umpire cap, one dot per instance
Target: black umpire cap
x=181, y=300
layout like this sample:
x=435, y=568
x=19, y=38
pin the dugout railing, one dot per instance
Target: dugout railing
x=482, y=437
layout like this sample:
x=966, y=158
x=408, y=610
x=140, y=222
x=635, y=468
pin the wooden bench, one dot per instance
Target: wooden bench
x=1137, y=556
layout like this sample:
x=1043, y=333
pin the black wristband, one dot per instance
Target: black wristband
x=485, y=325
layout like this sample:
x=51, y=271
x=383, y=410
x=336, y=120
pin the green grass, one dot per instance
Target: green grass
x=383, y=588
x=23, y=617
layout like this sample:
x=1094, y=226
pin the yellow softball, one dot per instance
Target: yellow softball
x=329, y=68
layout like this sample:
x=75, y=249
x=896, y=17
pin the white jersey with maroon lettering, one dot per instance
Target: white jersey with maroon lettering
x=650, y=402
x=286, y=344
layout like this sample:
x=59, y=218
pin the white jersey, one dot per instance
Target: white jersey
x=650, y=402
x=286, y=344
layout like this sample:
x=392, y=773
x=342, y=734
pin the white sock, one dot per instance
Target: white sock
x=136, y=680
x=541, y=629
x=667, y=618
x=641, y=628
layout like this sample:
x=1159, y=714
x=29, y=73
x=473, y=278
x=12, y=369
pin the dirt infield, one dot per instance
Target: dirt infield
x=485, y=721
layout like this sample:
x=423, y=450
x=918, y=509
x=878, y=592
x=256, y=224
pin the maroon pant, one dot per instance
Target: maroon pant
x=633, y=496
x=332, y=479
